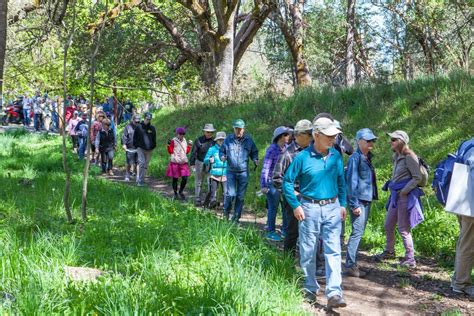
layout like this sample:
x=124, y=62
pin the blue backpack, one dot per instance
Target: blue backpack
x=444, y=171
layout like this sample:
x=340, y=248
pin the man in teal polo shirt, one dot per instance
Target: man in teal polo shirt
x=319, y=208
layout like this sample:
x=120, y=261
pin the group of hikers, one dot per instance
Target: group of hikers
x=303, y=172
x=45, y=112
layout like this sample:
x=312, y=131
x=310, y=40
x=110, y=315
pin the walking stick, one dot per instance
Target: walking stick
x=256, y=193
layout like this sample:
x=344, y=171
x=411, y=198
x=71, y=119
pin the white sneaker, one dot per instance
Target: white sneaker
x=127, y=179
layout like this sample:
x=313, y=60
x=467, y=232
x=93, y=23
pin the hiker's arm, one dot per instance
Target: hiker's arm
x=469, y=160
x=192, y=158
x=414, y=168
x=279, y=171
x=353, y=181
x=341, y=183
x=223, y=151
x=265, y=175
x=254, y=153
x=288, y=185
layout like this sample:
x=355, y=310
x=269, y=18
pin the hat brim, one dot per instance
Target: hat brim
x=238, y=126
x=330, y=131
x=216, y=139
x=209, y=130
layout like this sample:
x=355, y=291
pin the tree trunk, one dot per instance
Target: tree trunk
x=3, y=42
x=225, y=60
x=67, y=171
x=350, y=63
x=95, y=49
x=303, y=77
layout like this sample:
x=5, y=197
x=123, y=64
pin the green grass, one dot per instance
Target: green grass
x=159, y=257
x=436, y=126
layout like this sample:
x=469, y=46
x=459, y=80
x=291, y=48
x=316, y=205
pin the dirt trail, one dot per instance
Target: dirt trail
x=386, y=290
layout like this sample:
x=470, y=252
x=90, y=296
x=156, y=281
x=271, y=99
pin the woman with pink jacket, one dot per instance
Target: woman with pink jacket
x=178, y=167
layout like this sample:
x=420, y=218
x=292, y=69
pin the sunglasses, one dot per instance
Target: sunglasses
x=393, y=140
x=181, y=133
x=286, y=134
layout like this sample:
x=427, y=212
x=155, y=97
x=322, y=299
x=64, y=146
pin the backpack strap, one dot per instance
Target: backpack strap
x=460, y=154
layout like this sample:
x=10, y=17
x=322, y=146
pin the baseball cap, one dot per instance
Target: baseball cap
x=365, y=134
x=148, y=116
x=326, y=126
x=402, y=135
x=303, y=126
x=238, y=124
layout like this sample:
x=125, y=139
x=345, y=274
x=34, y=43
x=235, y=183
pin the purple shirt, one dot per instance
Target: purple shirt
x=269, y=162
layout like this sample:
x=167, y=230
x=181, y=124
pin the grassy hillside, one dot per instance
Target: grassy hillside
x=158, y=257
x=437, y=114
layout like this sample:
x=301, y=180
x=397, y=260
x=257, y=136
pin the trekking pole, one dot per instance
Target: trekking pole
x=256, y=193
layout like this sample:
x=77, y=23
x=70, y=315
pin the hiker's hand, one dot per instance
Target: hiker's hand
x=124, y=147
x=256, y=162
x=264, y=190
x=169, y=141
x=299, y=213
x=190, y=142
x=223, y=158
x=211, y=159
x=356, y=211
x=343, y=213
x=193, y=168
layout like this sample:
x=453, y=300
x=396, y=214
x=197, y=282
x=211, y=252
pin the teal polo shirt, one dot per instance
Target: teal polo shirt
x=319, y=178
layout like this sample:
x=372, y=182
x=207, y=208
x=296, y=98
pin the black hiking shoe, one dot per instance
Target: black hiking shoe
x=310, y=297
x=385, y=255
x=176, y=196
x=182, y=196
x=355, y=272
x=336, y=301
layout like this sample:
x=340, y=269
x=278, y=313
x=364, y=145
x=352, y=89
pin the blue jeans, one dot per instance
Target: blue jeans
x=26, y=117
x=82, y=147
x=273, y=200
x=236, y=187
x=55, y=120
x=358, y=227
x=326, y=221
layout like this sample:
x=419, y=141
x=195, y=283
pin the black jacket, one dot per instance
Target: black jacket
x=127, y=137
x=105, y=140
x=144, y=136
x=200, y=148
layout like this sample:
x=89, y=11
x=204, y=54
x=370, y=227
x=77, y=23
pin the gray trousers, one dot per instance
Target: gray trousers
x=201, y=178
x=144, y=157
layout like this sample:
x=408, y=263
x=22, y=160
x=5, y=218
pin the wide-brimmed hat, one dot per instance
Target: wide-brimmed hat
x=365, y=134
x=220, y=135
x=238, y=124
x=326, y=126
x=280, y=131
x=402, y=135
x=209, y=128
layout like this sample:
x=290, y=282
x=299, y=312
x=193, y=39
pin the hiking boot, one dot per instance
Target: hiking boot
x=127, y=179
x=385, y=255
x=468, y=290
x=111, y=173
x=310, y=297
x=355, y=272
x=140, y=184
x=182, y=196
x=273, y=236
x=283, y=234
x=197, y=203
x=176, y=196
x=336, y=301
x=408, y=263
x=213, y=204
